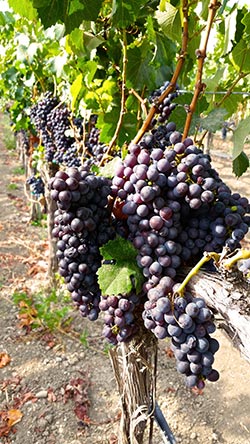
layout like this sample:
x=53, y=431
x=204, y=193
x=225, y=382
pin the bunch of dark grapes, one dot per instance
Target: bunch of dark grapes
x=94, y=148
x=175, y=207
x=189, y=323
x=58, y=123
x=39, y=114
x=36, y=185
x=52, y=121
x=166, y=107
x=120, y=321
x=82, y=225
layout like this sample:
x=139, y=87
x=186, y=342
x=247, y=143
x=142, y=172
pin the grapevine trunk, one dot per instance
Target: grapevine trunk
x=134, y=365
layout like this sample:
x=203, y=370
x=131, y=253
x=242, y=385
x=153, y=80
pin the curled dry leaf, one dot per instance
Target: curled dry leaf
x=4, y=359
x=8, y=419
x=14, y=416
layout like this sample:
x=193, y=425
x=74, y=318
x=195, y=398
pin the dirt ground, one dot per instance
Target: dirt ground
x=64, y=391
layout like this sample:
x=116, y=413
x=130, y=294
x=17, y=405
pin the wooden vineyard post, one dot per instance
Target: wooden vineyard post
x=134, y=365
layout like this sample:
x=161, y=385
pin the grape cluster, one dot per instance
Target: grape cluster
x=81, y=225
x=175, y=207
x=36, y=185
x=94, y=149
x=39, y=114
x=120, y=322
x=189, y=324
x=166, y=107
x=52, y=121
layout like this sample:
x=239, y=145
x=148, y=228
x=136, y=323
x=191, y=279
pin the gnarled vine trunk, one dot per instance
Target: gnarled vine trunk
x=134, y=365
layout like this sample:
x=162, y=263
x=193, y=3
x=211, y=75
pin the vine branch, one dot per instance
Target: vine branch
x=240, y=76
x=201, y=55
x=123, y=98
x=172, y=84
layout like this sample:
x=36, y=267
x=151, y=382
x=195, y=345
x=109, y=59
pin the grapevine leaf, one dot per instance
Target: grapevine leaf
x=125, y=12
x=240, y=164
x=205, y=9
x=239, y=137
x=123, y=275
x=213, y=82
x=214, y=120
x=169, y=20
x=75, y=89
x=230, y=28
x=179, y=116
x=241, y=57
x=24, y=8
x=139, y=71
x=75, y=40
x=107, y=123
x=246, y=22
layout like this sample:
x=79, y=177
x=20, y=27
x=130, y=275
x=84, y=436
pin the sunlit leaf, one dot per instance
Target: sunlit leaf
x=119, y=273
x=239, y=136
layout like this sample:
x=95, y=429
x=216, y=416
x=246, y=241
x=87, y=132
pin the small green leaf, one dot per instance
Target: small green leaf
x=123, y=275
x=239, y=137
x=75, y=89
x=240, y=164
x=214, y=120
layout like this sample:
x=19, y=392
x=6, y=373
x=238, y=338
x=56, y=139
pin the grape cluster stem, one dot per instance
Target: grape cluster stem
x=207, y=256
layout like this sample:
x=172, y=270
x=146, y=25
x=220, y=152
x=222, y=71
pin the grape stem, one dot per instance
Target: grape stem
x=240, y=255
x=206, y=257
x=123, y=98
x=172, y=84
x=201, y=55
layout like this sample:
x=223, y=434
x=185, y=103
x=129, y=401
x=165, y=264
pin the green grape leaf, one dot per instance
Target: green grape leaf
x=240, y=164
x=75, y=90
x=24, y=8
x=240, y=57
x=214, y=121
x=139, y=71
x=239, y=136
x=212, y=83
x=230, y=29
x=125, y=12
x=169, y=19
x=246, y=22
x=123, y=275
x=107, y=123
